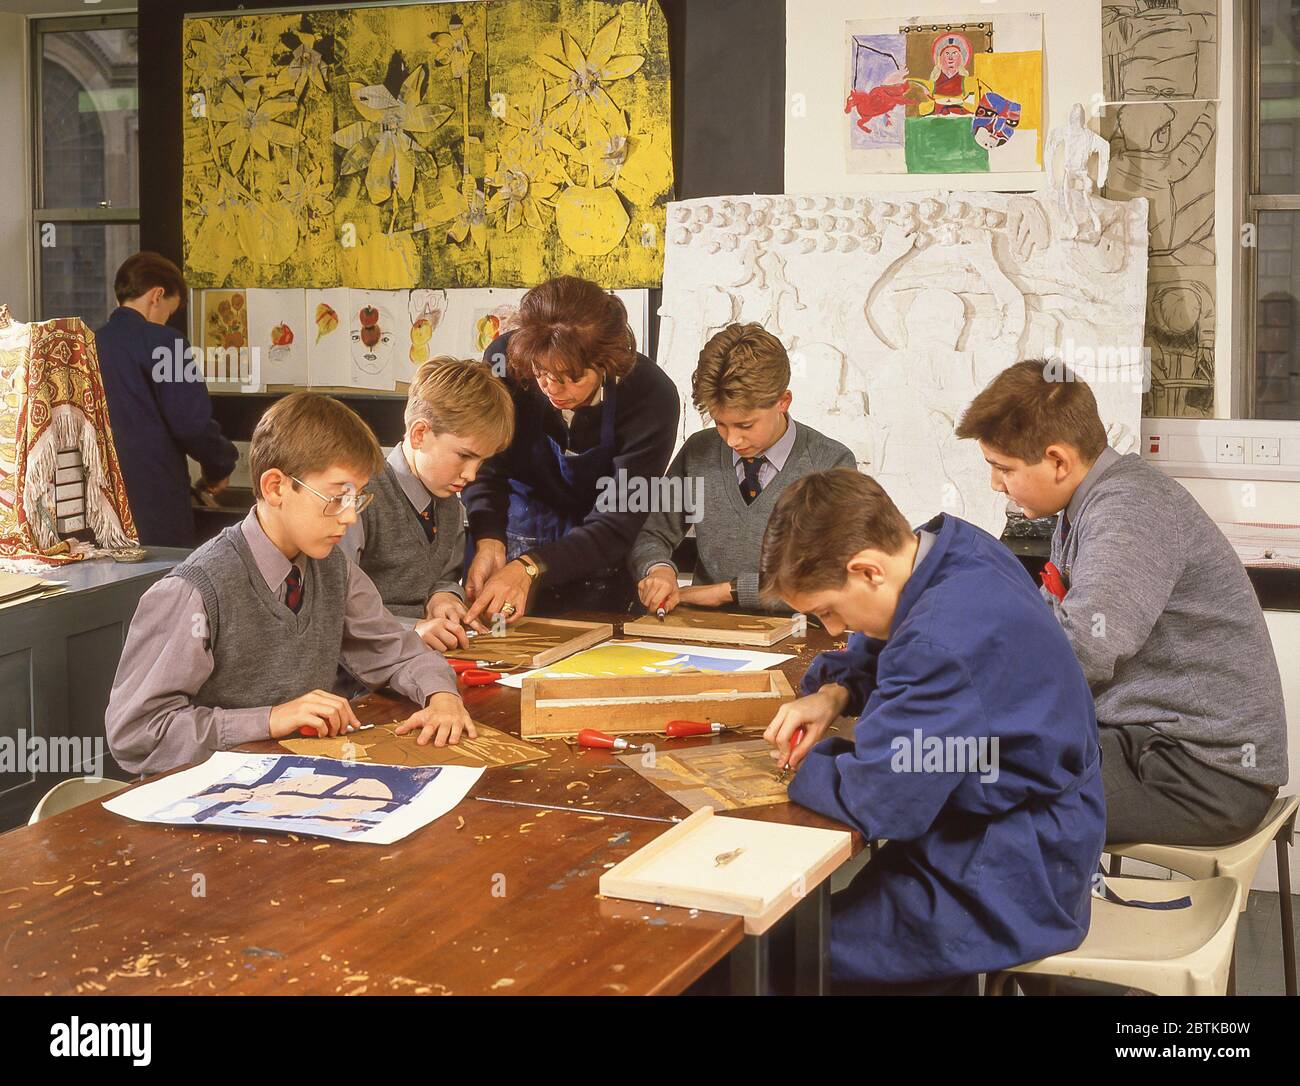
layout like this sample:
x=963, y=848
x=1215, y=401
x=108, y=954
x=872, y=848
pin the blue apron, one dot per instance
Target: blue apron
x=534, y=520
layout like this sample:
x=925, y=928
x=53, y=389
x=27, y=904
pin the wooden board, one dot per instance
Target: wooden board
x=719, y=627
x=382, y=745
x=757, y=870
x=535, y=642
x=721, y=775
x=628, y=705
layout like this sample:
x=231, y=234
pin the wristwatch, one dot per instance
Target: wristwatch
x=735, y=594
x=530, y=567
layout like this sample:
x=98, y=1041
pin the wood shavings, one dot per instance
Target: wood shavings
x=504, y=982
x=460, y=822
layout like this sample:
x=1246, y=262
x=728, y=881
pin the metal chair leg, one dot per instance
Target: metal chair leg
x=1283, y=843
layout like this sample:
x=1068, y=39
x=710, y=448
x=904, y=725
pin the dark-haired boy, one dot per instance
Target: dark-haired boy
x=981, y=773
x=157, y=422
x=1158, y=608
x=243, y=640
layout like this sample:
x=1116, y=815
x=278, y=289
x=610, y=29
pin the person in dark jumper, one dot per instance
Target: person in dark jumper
x=158, y=403
x=594, y=421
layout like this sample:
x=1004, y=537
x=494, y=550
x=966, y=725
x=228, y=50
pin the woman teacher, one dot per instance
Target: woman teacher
x=549, y=516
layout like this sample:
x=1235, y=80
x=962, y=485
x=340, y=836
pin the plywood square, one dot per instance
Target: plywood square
x=758, y=870
x=720, y=627
x=535, y=642
x=382, y=745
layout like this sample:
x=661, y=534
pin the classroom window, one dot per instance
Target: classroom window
x=86, y=158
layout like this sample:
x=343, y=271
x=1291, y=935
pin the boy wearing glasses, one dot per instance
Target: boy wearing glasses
x=243, y=640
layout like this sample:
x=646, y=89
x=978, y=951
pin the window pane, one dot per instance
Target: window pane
x=89, y=118
x=1277, y=316
x=78, y=263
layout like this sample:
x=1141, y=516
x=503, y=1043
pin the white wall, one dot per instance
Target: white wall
x=15, y=168
x=814, y=141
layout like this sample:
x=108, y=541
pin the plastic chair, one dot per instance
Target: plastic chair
x=73, y=793
x=1167, y=952
x=1238, y=861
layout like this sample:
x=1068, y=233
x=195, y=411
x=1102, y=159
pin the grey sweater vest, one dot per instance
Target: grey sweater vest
x=405, y=566
x=729, y=533
x=263, y=653
x=1167, y=626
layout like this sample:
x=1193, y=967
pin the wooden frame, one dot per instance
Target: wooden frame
x=701, y=863
x=627, y=705
x=519, y=648
x=717, y=627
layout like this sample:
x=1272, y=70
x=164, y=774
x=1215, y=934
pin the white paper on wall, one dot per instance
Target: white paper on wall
x=898, y=307
x=328, y=353
x=278, y=333
x=379, y=337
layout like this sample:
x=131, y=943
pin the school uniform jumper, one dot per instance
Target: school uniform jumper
x=978, y=874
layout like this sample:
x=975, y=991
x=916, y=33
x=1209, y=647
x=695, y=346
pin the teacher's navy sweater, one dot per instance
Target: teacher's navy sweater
x=978, y=874
x=645, y=429
x=157, y=423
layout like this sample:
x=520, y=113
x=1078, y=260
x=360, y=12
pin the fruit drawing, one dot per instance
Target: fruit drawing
x=421, y=332
x=326, y=320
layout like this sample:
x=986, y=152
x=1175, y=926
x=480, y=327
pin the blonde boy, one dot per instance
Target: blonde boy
x=243, y=640
x=411, y=539
x=733, y=474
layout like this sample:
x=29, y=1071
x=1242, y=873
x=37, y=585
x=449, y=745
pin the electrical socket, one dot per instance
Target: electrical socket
x=1230, y=450
x=1266, y=450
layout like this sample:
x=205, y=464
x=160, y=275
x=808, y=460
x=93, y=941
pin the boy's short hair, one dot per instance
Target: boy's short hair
x=820, y=522
x=461, y=396
x=140, y=273
x=568, y=325
x=1021, y=413
x=744, y=367
x=307, y=432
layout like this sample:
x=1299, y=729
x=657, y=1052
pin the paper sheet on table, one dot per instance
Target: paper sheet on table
x=629, y=658
x=289, y=793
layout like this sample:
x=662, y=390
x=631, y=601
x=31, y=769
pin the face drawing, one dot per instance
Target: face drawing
x=371, y=329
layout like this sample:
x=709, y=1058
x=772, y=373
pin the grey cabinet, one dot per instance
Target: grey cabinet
x=58, y=657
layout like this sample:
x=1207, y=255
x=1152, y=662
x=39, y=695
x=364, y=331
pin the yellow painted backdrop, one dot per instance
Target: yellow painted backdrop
x=432, y=145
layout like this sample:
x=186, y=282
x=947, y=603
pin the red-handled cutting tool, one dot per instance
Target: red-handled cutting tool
x=589, y=737
x=1053, y=581
x=472, y=672
x=676, y=729
x=794, y=743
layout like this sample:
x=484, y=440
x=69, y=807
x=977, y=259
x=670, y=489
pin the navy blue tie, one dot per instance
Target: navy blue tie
x=750, y=487
x=427, y=523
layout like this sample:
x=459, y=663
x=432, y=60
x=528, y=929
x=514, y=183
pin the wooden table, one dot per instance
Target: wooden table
x=489, y=898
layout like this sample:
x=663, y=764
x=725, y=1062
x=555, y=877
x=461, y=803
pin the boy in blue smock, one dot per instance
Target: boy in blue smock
x=975, y=750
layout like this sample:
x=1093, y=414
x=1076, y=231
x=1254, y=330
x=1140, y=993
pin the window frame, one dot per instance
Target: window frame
x=59, y=216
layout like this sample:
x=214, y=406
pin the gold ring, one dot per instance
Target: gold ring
x=509, y=609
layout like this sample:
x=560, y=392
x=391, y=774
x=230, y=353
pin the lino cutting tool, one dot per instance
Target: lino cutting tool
x=660, y=613
x=1053, y=581
x=589, y=737
x=676, y=729
x=473, y=673
x=794, y=742
x=308, y=732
